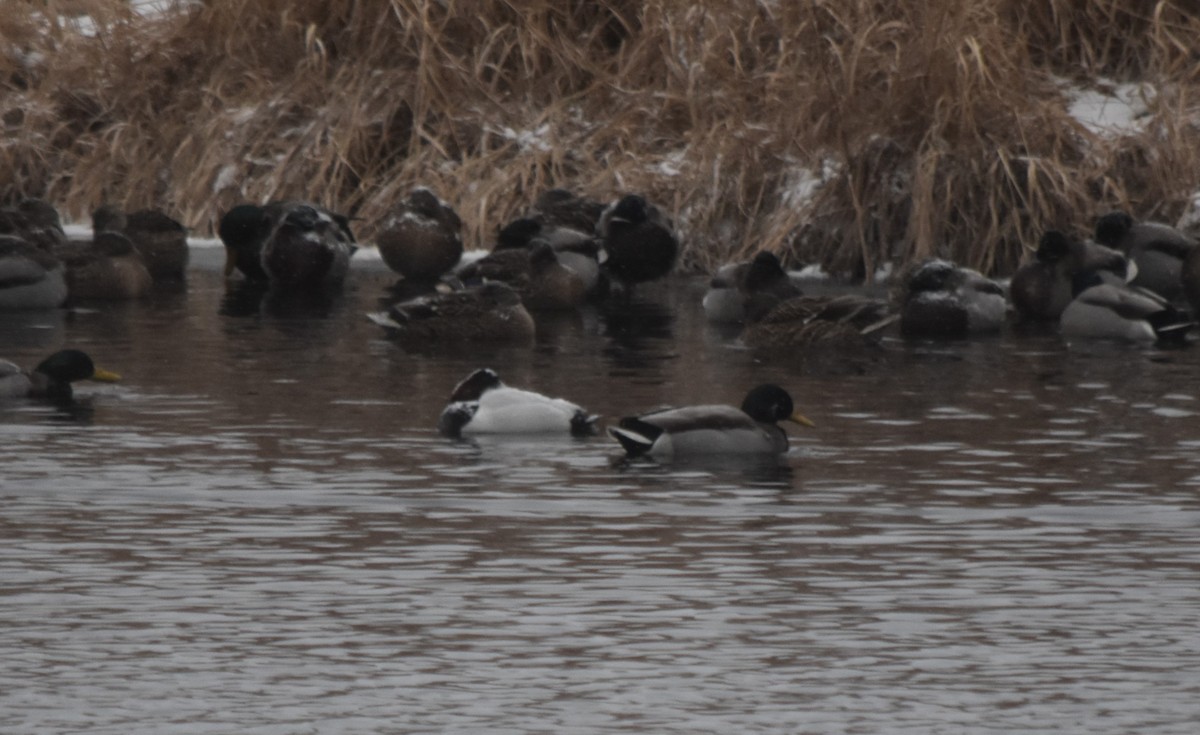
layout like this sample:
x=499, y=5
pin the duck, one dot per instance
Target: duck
x=941, y=299
x=712, y=429
x=638, y=241
x=491, y=312
x=52, y=378
x=482, y=404
x=30, y=277
x=1116, y=311
x=1158, y=250
x=292, y=245
x=575, y=249
x=161, y=240
x=534, y=272
x=747, y=290
x=242, y=230
x=42, y=224
x=807, y=321
x=422, y=237
x=107, y=269
x=562, y=208
x=1041, y=289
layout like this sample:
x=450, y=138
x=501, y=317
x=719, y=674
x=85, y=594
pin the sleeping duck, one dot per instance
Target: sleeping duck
x=492, y=312
x=1158, y=250
x=806, y=321
x=108, y=269
x=710, y=430
x=1042, y=288
x=421, y=239
x=535, y=272
x=747, y=290
x=941, y=299
x=639, y=241
x=291, y=245
x=483, y=404
x=1105, y=310
x=30, y=277
x=52, y=377
x=161, y=240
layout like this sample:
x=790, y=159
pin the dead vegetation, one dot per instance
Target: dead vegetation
x=844, y=132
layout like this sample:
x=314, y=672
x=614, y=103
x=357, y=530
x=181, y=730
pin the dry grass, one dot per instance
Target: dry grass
x=940, y=126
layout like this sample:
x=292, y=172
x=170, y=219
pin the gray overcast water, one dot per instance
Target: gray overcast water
x=258, y=531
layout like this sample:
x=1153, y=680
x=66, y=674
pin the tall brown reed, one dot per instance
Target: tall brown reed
x=922, y=126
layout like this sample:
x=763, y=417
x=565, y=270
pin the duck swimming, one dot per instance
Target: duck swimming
x=1157, y=249
x=52, y=377
x=161, y=241
x=712, y=429
x=483, y=404
x=1106, y=310
x=492, y=312
x=109, y=269
x=941, y=299
x=746, y=291
x=30, y=277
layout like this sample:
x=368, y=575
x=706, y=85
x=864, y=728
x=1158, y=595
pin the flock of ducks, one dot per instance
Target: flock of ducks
x=1132, y=281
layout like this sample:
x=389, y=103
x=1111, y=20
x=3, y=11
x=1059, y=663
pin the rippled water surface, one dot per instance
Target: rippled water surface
x=258, y=531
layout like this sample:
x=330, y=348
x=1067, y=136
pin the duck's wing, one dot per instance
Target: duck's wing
x=1127, y=303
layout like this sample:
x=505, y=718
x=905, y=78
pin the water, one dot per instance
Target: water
x=258, y=531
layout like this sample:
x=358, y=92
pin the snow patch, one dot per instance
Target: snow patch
x=1110, y=109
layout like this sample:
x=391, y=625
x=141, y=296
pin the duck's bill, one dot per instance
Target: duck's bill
x=105, y=376
x=801, y=419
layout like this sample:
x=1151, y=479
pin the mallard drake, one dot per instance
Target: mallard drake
x=483, y=404
x=1158, y=250
x=1042, y=288
x=746, y=291
x=30, y=277
x=941, y=299
x=638, y=240
x=290, y=244
x=711, y=430
x=805, y=321
x=492, y=312
x=1106, y=310
x=52, y=377
x=109, y=268
x=421, y=239
x=161, y=240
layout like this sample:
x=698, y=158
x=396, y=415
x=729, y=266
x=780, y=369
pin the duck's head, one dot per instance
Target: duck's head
x=40, y=212
x=768, y=403
x=1112, y=227
x=518, y=233
x=472, y=387
x=56, y=373
x=764, y=269
x=631, y=208
x=1053, y=247
x=107, y=218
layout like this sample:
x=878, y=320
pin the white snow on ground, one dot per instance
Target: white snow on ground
x=1109, y=109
